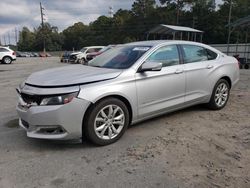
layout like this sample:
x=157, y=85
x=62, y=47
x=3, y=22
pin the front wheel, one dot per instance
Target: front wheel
x=220, y=95
x=7, y=60
x=106, y=121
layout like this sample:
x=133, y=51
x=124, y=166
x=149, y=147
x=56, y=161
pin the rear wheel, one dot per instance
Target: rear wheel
x=7, y=60
x=106, y=121
x=220, y=95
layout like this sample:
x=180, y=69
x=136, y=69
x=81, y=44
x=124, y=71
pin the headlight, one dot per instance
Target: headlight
x=59, y=99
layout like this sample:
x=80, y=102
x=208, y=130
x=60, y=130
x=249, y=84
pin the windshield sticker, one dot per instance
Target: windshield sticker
x=141, y=49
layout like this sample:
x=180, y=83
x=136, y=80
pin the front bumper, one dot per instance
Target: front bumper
x=73, y=59
x=61, y=122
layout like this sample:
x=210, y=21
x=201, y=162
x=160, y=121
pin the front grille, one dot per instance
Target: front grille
x=72, y=57
x=29, y=99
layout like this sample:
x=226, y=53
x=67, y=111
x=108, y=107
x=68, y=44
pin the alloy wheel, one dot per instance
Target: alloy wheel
x=109, y=122
x=221, y=94
x=7, y=60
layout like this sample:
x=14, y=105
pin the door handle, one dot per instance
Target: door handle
x=210, y=66
x=178, y=71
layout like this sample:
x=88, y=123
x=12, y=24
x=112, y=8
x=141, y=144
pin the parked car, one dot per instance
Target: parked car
x=243, y=62
x=92, y=55
x=27, y=54
x=44, y=54
x=35, y=54
x=80, y=57
x=7, y=55
x=20, y=54
x=65, y=56
x=123, y=86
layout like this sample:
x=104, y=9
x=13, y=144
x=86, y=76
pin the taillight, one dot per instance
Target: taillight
x=14, y=53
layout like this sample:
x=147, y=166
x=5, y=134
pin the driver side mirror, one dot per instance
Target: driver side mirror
x=150, y=66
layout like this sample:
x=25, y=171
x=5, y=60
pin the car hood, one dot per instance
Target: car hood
x=71, y=75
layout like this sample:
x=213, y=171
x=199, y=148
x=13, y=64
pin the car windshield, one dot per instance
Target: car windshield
x=121, y=57
x=83, y=50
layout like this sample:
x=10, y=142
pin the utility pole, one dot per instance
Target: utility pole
x=195, y=21
x=229, y=26
x=16, y=36
x=4, y=40
x=42, y=22
x=178, y=12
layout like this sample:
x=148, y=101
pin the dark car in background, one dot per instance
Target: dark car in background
x=65, y=56
x=26, y=54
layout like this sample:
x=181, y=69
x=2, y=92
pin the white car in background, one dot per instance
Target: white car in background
x=80, y=57
x=7, y=55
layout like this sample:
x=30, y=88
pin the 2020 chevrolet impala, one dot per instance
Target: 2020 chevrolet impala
x=125, y=85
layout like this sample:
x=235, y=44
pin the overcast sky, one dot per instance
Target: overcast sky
x=60, y=13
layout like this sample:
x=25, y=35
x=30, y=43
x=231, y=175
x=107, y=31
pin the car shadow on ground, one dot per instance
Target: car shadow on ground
x=196, y=108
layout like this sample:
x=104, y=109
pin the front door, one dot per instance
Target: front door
x=160, y=91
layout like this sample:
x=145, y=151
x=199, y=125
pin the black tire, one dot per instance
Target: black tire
x=7, y=60
x=89, y=122
x=212, y=103
x=81, y=61
x=246, y=66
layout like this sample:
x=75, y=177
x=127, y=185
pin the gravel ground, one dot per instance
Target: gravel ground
x=194, y=147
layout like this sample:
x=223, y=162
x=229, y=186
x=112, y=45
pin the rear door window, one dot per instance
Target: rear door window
x=194, y=53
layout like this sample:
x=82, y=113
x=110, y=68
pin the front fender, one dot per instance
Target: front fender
x=97, y=91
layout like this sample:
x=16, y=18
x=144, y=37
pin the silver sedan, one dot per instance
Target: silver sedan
x=125, y=85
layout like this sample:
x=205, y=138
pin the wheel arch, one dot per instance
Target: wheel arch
x=120, y=97
x=7, y=56
x=227, y=78
x=2, y=60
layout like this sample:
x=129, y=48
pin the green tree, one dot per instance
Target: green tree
x=53, y=40
x=26, y=40
x=74, y=37
x=102, y=29
x=142, y=8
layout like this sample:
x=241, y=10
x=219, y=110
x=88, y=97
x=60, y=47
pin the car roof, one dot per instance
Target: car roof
x=158, y=42
x=4, y=47
x=94, y=47
x=155, y=43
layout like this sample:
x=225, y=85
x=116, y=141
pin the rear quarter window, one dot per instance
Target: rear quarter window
x=211, y=55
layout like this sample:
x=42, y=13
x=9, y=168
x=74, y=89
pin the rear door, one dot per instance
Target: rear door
x=199, y=65
x=159, y=91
